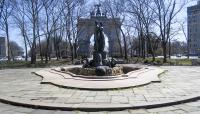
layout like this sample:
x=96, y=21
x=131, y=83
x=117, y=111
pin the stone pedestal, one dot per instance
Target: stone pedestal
x=104, y=55
x=97, y=58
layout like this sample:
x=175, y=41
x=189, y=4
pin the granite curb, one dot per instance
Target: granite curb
x=96, y=107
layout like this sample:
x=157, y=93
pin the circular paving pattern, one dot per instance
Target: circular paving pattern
x=179, y=84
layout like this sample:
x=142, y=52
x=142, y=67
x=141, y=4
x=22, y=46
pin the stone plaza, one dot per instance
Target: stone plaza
x=99, y=85
x=177, y=93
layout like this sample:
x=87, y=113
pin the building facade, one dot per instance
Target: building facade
x=3, y=52
x=193, y=13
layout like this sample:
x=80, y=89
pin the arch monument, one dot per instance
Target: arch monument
x=86, y=27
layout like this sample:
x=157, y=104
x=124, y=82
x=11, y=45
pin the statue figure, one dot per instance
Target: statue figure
x=99, y=39
x=100, y=60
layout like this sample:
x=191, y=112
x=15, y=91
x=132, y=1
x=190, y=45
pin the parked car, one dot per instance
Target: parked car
x=19, y=58
x=178, y=55
x=3, y=59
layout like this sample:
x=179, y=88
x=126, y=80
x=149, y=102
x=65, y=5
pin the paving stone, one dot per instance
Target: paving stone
x=119, y=112
x=102, y=101
x=20, y=84
x=103, y=97
x=65, y=112
x=163, y=109
x=82, y=112
x=42, y=112
x=8, y=112
x=119, y=99
x=139, y=111
x=91, y=94
x=197, y=112
x=101, y=93
x=89, y=99
x=179, y=111
x=97, y=113
x=167, y=112
x=187, y=108
x=23, y=110
x=195, y=104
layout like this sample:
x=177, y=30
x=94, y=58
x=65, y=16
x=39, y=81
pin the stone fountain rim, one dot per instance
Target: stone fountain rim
x=99, y=77
x=144, y=77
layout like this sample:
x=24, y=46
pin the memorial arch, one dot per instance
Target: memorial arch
x=86, y=27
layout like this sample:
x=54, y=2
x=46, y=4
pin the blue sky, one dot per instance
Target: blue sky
x=15, y=34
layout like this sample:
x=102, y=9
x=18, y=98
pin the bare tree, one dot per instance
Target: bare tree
x=144, y=22
x=38, y=24
x=71, y=31
x=33, y=7
x=166, y=10
x=115, y=9
x=20, y=21
x=6, y=14
x=58, y=35
x=147, y=16
x=1, y=6
x=49, y=9
x=135, y=10
x=183, y=30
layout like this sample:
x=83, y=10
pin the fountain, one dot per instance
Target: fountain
x=102, y=72
x=100, y=65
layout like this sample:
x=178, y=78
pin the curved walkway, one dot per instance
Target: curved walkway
x=178, y=84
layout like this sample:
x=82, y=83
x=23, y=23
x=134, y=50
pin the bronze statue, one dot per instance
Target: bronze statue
x=99, y=39
x=100, y=60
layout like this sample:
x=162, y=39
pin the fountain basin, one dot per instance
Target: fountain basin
x=118, y=71
x=130, y=78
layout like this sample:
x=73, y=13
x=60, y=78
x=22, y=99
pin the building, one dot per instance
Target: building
x=193, y=13
x=3, y=52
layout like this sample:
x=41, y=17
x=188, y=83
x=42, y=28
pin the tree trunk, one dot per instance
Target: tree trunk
x=164, y=47
x=39, y=41
x=188, y=50
x=12, y=55
x=125, y=45
x=47, y=50
x=75, y=50
x=169, y=48
x=143, y=46
x=151, y=48
x=8, y=40
x=33, y=49
x=57, y=56
x=33, y=52
x=119, y=42
x=25, y=45
x=139, y=46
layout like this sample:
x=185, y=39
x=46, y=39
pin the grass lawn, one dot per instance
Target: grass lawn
x=158, y=61
x=39, y=64
x=172, y=62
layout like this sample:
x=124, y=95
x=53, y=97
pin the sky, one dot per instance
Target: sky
x=16, y=36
